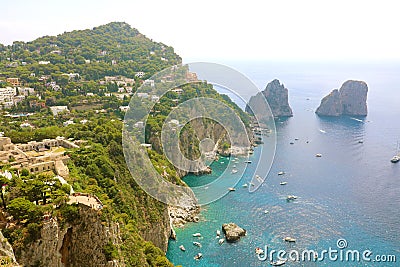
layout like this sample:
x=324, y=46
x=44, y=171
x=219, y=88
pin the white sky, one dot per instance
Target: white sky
x=209, y=30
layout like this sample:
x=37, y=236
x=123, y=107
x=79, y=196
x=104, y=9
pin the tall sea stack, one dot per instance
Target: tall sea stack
x=350, y=99
x=277, y=98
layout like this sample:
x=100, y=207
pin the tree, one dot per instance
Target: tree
x=20, y=208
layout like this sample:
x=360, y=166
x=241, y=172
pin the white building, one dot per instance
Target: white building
x=142, y=95
x=155, y=98
x=58, y=109
x=69, y=122
x=149, y=82
x=44, y=62
x=7, y=94
x=139, y=74
x=124, y=108
x=26, y=91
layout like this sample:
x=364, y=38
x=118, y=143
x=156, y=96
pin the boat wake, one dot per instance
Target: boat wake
x=355, y=119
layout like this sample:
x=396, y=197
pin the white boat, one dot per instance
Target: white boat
x=198, y=256
x=231, y=189
x=318, y=155
x=278, y=262
x=322, y=131
x=395, y=159
x=234, y=171
x=259, y=251
x=259, y=179
x=218, y=232
x=283, y=183
x=182, y=248
x=197, y=244
x=289, y=239
x=281, y=173
x=247, y=161
x=197, y=235
x=245, y=185
x=266, y=211
x=291, y=197
x=221, y=241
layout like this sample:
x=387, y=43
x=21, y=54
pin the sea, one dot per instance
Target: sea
x=348, y=200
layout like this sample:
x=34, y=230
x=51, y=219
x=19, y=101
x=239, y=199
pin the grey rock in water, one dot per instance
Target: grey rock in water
x=277, y=98
x=232, y=232
x=350, y=99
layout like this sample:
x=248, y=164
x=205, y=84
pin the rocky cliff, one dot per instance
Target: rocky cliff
x=74, y=244
x=277, y=98
x=350, y=99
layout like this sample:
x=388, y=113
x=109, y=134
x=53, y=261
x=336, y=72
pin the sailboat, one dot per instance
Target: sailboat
x=396, y=158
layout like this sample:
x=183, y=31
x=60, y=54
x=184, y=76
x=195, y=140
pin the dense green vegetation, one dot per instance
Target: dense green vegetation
x=98, y=166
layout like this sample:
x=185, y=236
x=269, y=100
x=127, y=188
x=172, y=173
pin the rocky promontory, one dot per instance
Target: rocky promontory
x=232, y=232
x=277, y=98
x=350, y=99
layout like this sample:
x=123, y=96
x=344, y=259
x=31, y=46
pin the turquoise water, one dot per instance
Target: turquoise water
x=352, y=192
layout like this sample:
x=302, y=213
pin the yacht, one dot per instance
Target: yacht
x=221, y=241
x=182, y=248
x=234, y=171
x=197, y=235
x=283, y=183
x=231, y=189
x=281, y=173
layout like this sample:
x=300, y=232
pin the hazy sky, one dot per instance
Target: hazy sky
x=209, y=30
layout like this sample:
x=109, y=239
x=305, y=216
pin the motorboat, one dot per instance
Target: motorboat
x=197, y=244
x=395, y=159
x=221, y=241
x=278, y=262
x=182, y=248
x=198, y=256
x=281, y=173
x=289, y=239
x=291, y=197
x=283, y=183
x=259, y=251
x=197, y=235
x=231, y=189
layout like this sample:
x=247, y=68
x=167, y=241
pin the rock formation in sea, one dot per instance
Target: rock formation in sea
x=350, y=99
x=232, y=232
x=277, y=98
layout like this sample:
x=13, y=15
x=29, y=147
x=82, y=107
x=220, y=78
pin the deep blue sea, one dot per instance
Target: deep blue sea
x=352, y=192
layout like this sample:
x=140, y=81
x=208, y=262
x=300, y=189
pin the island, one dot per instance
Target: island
x=277, y=98
x=350, y=99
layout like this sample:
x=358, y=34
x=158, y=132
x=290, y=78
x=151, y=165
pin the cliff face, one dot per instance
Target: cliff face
x=78, y=244
x=350, y=99
x=277, y=98
x=6, y=251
